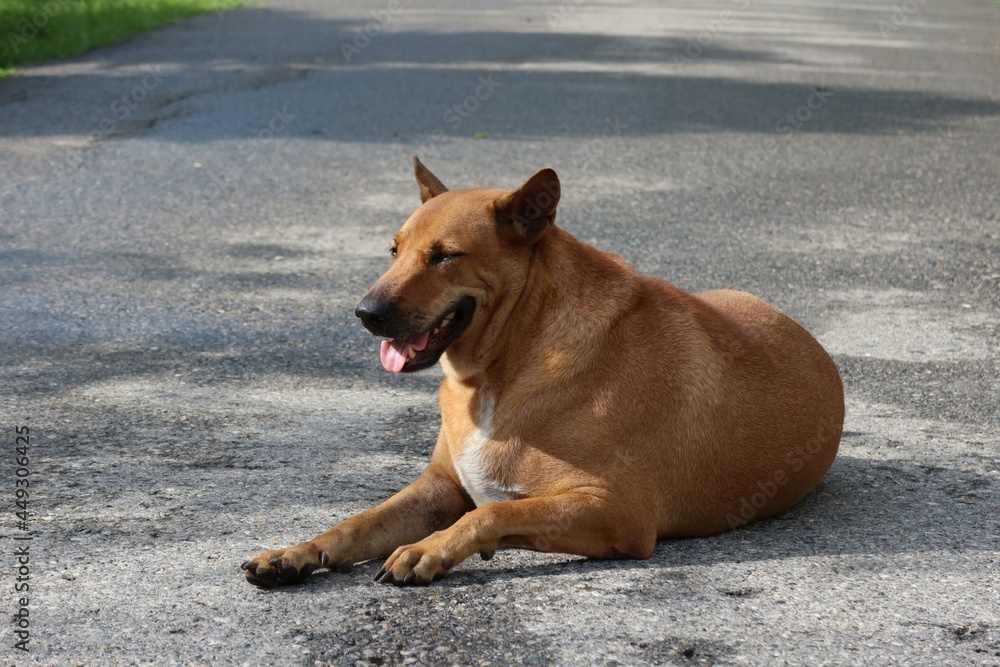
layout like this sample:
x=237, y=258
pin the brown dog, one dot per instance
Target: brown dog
x=585, y=409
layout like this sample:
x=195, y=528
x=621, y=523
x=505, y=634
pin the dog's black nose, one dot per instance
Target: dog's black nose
x=374, y=314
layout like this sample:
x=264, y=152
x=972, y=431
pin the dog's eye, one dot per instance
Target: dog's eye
x=438, y=257
x=392, y=251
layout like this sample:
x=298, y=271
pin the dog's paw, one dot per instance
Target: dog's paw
x=413, y=565
x=288, y=566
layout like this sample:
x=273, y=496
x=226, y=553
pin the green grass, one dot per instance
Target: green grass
x=35, y=30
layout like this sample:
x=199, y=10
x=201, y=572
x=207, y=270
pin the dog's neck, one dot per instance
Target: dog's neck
x=540, y=329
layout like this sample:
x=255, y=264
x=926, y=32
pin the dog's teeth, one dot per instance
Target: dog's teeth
x=436, y=329
x=448, y=317
x=411, y=353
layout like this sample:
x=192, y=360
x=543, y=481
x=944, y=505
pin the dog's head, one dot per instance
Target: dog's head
x=455, y=263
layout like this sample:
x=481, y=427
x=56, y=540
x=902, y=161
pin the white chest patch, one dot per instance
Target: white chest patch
x=471, y=464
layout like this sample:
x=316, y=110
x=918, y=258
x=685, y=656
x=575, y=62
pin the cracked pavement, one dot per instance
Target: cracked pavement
x=187, y=220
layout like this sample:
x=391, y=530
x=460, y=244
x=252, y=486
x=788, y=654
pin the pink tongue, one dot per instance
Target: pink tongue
x=420, y=342
x=392, y=359
x=394, y=354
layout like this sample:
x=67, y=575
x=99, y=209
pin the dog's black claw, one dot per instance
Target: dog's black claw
x=387, y=578
x=245, y=565
x=263, y=578
x=378, y=575
x=485, y=554
x=409, y=578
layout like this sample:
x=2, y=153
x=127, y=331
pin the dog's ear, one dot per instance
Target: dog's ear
x=524, y=214
x=429, y=184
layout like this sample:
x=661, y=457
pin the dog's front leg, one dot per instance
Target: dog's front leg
x=582, y=523
x=430, y=503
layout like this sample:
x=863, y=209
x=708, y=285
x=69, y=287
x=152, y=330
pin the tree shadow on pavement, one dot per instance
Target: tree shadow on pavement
x=401, y=85
x=863, y=508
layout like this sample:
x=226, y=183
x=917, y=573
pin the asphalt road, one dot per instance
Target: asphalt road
x=188, y=219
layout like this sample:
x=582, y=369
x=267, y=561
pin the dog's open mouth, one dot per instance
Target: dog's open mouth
x=401, y=355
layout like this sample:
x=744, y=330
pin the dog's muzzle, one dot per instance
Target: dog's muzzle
x=374, y=314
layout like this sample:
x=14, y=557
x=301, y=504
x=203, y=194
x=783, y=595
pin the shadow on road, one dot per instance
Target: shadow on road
x=547, y=84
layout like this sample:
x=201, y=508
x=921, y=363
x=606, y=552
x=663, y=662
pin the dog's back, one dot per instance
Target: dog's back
x=774, y=431
x=701, y=412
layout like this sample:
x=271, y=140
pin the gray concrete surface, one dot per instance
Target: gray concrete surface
x=188, y=219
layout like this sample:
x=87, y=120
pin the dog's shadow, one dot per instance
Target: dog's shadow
x=862, y=508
